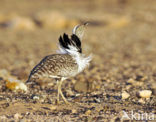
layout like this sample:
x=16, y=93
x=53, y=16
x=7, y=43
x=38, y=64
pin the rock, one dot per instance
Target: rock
x=125, y=95
x=17, y=116
x=22, y=86
x=135, y=82
x=139, y=83
x=36, y=97
x=14, y=84
x=88, y=112
x=74, y=110
x=69, y=92
x=141, y=101
x=3, y=118
x=87, y=86
x=53, y=107
x=145, y=93
x=81, y=86
x=128, y=87
x=131, y=81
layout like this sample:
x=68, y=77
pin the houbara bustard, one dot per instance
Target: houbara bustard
x=68, y=62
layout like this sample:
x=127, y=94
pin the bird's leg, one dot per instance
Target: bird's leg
x=60, y=92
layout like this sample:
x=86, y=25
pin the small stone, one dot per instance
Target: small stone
x=108, y=80
x=125, y=95
x=53, y=107
x=145, y=93
x=128, y=87
x=17, y=116
x=69, y=92
x=36, y=98
x=131, y=80
x=73, y=81
x=139, y=83
x=13, y=83
x=22, y=120
x=22, y=86
x=98, y=100
x=88, y=112
x=74, y=110
x=51, y=84
x=141, y=101
x=81, y=86
x=2, y=118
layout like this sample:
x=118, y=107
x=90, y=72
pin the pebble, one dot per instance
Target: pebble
x=128, y=87
x=69, y=92
x=3, y=117
x=145, y=93
x=13, y=83
x=141, y=101
x=36, y=98
x=22, y=86
x=88, y=112
x=53, y=107
x=131, y=80
x=17, y=116
x=125, y=95
x=74, y=110
x=81, y=86
x=139, y=83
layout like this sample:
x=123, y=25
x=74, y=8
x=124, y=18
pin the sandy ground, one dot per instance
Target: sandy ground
x=121, y=38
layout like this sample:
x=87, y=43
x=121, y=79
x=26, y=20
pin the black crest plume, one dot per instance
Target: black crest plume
x=65, y=41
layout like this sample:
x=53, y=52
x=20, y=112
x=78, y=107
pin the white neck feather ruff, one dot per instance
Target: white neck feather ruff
x=80, y=59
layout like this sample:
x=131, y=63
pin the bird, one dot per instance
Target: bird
x=66, y=63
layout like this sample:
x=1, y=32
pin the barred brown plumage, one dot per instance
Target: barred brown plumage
x=55, y=65
x=68, y=63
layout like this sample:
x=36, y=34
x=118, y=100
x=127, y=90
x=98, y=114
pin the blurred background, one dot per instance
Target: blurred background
x=121, y=36
x=30, y=29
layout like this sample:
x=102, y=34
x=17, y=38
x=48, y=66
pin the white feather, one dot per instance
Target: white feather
x=80, y=59
x=72, y=50
x=61, y=50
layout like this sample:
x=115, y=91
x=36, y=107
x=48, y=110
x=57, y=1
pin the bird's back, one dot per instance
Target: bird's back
x=55, y=66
